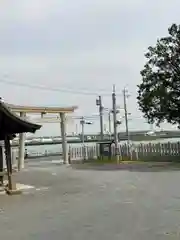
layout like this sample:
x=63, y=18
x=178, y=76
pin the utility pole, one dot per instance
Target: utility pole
x=82, y=122
x=126, y=114
x=76, y=129
x=109, y=118
x=99, y=103
x=114, y=107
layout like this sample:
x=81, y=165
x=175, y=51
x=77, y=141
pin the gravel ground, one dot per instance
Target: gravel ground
x=93, y=202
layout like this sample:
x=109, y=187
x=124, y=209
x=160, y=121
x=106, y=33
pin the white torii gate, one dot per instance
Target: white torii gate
x=23, y=110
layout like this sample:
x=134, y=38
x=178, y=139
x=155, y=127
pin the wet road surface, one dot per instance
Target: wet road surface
x=94, y=203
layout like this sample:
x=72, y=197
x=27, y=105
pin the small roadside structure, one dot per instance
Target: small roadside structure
x=105, y=149
x=10, y=125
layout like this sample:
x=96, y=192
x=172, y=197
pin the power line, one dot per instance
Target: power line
x=56, y=89
x=96, y=117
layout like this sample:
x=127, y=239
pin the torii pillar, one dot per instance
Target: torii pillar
x=64, y=138
x=22, y=137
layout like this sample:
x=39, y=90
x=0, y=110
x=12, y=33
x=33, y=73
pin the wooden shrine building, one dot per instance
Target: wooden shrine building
x=10, y=125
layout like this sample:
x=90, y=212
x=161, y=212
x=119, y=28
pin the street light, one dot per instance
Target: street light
x=118, y=122
x=83, y=122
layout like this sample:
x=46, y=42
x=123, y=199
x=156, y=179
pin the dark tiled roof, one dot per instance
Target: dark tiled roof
x=10, y=123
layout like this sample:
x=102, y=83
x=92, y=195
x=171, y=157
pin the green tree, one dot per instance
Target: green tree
x=159, y=92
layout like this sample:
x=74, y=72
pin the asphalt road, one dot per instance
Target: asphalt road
x=94, y=203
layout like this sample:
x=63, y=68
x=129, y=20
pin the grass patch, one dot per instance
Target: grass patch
x=102, y=161
x=113, y=160
x=126, y=161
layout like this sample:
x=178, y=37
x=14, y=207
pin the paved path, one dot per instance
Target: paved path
x=93, y=204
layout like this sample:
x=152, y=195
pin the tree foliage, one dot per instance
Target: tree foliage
x=159, y=92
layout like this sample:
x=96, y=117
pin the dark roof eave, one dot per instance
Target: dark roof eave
x=32, y=127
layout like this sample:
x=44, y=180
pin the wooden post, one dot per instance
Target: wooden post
x=8, y=161
x=1, y=165
x=69, y=158
x=11, y=187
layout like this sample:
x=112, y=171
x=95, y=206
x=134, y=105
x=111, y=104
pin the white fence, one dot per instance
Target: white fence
x=150, y=151
x=83, y=153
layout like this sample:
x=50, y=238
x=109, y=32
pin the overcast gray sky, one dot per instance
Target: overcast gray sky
x=78, y=44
